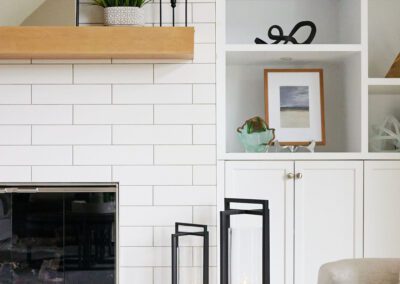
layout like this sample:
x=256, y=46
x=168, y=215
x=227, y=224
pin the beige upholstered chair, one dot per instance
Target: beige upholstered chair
x=360, y=271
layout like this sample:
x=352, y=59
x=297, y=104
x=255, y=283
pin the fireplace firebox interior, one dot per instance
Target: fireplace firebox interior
x=58, y=233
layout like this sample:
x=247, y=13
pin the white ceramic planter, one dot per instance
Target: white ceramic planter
x=124, y=16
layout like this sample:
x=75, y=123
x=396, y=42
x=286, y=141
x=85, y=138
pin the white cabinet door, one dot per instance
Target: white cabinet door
x=328, y=215
x=382, y=209
x=268, y=180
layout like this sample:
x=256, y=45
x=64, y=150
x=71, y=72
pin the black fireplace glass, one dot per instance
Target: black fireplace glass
x=6, y=263
x=37, y=238
x=90, y=238
x=57, y=237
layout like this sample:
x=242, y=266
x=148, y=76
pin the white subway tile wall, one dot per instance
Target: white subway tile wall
x=148, y=124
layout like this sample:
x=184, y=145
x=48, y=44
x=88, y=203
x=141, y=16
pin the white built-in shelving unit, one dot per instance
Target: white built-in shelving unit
x=356, y=42
x=332, y=204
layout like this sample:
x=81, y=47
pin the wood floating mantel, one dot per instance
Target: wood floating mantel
x=96, y=42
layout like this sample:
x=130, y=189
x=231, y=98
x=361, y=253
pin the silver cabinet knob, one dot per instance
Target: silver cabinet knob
x=299, y=175
x=290, y=176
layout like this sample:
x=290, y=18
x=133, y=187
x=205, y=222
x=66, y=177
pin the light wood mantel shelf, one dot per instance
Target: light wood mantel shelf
x=96, y=42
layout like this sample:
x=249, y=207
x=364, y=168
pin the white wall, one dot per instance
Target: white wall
x=53, y=13
x=13, y=13
x=149, y=126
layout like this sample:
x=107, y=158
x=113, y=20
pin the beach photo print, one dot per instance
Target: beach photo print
x=294, y=105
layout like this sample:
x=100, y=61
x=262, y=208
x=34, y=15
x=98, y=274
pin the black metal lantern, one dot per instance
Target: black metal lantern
x=175, y=244
x=225, y=242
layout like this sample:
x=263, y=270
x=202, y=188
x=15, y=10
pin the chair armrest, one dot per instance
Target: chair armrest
x=360, y=271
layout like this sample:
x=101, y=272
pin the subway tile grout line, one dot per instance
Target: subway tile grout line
x=112, y=134
x=73, y=114
x=31, y=89
x=73, y=74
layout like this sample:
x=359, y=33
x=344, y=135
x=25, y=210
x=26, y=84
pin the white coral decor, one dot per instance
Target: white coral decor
x=124, y=16
x=387, y=134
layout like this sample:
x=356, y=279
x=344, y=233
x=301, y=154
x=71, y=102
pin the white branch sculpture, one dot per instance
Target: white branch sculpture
x=387, y=134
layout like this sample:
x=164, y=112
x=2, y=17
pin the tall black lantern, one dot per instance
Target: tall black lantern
x=225, y=240
x=175, y=244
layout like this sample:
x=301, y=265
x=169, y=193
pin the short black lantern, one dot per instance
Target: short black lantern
x=175, y=244
x=226, y=244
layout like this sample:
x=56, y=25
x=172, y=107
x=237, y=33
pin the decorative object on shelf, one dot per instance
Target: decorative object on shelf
x=130, y=12
x=394, y=71
x=294, y=105
x=387, y=135
x=276, y=147
x=278, y=38
x=123, y=13
x=240, y=253
x=175, y=245
x=255, y=135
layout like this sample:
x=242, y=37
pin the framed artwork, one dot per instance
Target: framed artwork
x=294, y=105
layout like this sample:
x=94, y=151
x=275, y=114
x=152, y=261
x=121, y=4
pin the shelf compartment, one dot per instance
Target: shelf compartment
x=337, y=21
x=96, y=42
x=384, y=100
x=383, y=30
x=342, y=80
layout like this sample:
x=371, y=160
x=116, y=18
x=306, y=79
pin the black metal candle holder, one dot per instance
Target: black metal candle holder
x=175, y=244
x=173, y=6
x=224, y=237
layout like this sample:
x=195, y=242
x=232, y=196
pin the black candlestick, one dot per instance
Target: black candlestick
x=160, y=13
x=173, y=5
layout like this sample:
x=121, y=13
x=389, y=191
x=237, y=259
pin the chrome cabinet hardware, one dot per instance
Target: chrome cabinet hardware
x=299, y=175
x=294, y=176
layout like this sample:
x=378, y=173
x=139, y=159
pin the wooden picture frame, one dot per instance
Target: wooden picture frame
x=294, y=105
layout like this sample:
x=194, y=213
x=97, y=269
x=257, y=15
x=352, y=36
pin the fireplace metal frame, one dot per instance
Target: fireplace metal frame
x=32, y=187
x=224, y=235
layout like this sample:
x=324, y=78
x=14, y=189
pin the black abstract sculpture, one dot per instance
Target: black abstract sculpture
x=278, y=38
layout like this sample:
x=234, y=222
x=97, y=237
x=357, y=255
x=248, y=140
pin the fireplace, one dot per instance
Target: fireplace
x=58, y=233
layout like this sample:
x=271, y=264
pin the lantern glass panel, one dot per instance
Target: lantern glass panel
x=245, y=255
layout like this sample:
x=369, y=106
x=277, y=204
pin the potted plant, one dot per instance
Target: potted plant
x=123, y=12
